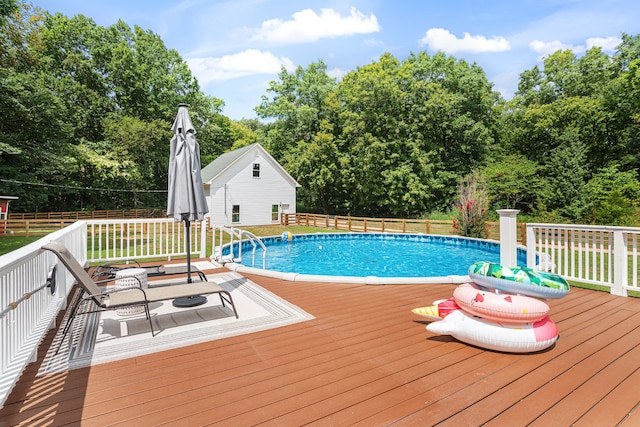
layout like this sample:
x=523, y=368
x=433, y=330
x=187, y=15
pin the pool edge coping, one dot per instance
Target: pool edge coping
x=363, y=280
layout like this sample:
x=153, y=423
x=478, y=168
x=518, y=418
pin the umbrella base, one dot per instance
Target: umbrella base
x=190, y=301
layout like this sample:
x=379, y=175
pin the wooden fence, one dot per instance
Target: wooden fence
x=100, y=214
x=391, y=225
x=43, y=223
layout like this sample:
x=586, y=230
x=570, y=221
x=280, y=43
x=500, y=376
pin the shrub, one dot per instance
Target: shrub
x=471, y=213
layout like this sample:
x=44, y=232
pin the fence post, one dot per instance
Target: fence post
x=508, y=236
x=620, y=264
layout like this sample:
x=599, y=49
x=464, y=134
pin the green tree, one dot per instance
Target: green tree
x=243, y=135
x=297, y=102
x=316, y=167
x=513, y=182
x=7, y=8
x=613, y=197
x=566, y=175
x=622, y=99
x=381, y=163
x=568, y=97
x=412, y=128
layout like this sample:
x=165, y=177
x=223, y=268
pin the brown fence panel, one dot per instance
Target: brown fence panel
x=34, y=227
x=392, y=225
x=42, y=223
x=97, y=214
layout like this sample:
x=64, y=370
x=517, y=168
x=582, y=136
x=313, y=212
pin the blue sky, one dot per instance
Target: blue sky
x=236, y=47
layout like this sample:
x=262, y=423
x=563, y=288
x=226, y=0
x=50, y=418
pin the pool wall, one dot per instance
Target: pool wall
x=367, y=280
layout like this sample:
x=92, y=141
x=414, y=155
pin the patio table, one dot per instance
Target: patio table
x=129, y=277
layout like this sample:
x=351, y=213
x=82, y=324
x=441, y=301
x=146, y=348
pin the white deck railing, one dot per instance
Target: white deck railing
x=120, y=240
x=28, y=309
x=605, y=256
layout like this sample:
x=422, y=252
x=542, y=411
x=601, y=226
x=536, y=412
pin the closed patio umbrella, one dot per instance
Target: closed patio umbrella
x=186, y=200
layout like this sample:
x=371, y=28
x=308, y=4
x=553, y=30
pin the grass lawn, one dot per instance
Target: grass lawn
x=10, y=243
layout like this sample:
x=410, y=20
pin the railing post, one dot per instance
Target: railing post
x=620, y=264
x=203, y=237
x=531, y=247
x=508, y=243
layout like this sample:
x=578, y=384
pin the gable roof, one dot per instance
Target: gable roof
x=225, y=160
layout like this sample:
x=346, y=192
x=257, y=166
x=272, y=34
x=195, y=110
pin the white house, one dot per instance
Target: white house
x=248, y=187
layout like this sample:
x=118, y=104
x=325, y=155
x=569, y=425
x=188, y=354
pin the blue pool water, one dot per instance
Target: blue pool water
x=369, y=254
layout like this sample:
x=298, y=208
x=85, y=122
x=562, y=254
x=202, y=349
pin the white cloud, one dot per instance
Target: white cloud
x=248, y=62
x=442, y=40
x=606, y=43
x=375, y=43
x=336, y=73
x=547, y=48
x=308, y=26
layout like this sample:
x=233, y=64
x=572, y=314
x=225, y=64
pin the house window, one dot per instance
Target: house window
x=274, y=212
x=256, y=170
x=235, y=213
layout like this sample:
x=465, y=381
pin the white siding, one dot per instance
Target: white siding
x=255, y=196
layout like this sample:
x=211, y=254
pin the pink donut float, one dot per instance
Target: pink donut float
x=500, y=308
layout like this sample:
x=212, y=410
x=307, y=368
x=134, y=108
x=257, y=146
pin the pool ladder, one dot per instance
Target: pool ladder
x=230, y=237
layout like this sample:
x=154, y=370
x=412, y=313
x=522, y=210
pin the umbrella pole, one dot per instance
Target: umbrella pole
x=187, y=229
x=194, y=300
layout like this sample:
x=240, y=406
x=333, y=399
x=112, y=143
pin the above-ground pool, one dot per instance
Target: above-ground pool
x=370, y=257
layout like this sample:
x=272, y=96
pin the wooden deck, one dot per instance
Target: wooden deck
x=364, y=360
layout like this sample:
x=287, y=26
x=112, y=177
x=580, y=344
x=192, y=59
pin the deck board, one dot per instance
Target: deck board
x=364, y=360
